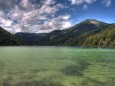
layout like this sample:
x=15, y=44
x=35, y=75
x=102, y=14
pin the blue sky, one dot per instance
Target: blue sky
x=41, y=16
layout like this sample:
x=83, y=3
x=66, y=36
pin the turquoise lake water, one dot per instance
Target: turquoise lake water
x=56, y=66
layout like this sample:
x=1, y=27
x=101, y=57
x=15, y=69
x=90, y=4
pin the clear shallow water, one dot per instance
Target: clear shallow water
x=56, y=66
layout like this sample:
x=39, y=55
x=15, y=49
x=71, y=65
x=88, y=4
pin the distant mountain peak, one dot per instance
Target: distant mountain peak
x=93, y=21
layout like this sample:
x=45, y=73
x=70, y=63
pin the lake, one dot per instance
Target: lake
x=56, y=66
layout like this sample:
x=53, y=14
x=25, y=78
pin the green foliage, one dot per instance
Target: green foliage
x=7, y=39
x=100, y=43
x=104, y=38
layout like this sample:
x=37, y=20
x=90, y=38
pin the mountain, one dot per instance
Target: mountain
x=7, y=38
x=105, y=38
x=73, y=36
x=33, y=39
x=90, y=32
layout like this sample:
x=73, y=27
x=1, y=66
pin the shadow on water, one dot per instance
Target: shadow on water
x=7, y=81
x=47, y=82
x=38, y=70
x=77, y=69
x=38, y=83
x=32, y=83
x=92, y=82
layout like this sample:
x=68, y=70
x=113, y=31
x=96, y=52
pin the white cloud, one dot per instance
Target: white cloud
x=26, y=16
x=85, y=3
x=89, y=1
x=85, y=7
x=66, y=24
x=59, y=23
x=78, y=2
x=49, y=2
x=66, y=17
x=25, y=4
x=4, y=21
x=107, y=3
x=73, y=2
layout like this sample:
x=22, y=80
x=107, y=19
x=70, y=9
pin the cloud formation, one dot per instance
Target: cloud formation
x=78, y=2
x=39, y=15
x=85, y=7
x=56, y=23
x=85, y=3
x=107, y=3
x=32, y=15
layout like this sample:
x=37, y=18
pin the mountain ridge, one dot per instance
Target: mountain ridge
x=72, y=36
x=76, y=35
x=7, y=38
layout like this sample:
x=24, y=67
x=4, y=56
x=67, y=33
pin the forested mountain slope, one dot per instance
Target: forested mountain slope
x=90, y=32
x=71, y=36
x=7, y=38
x=105, y=38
